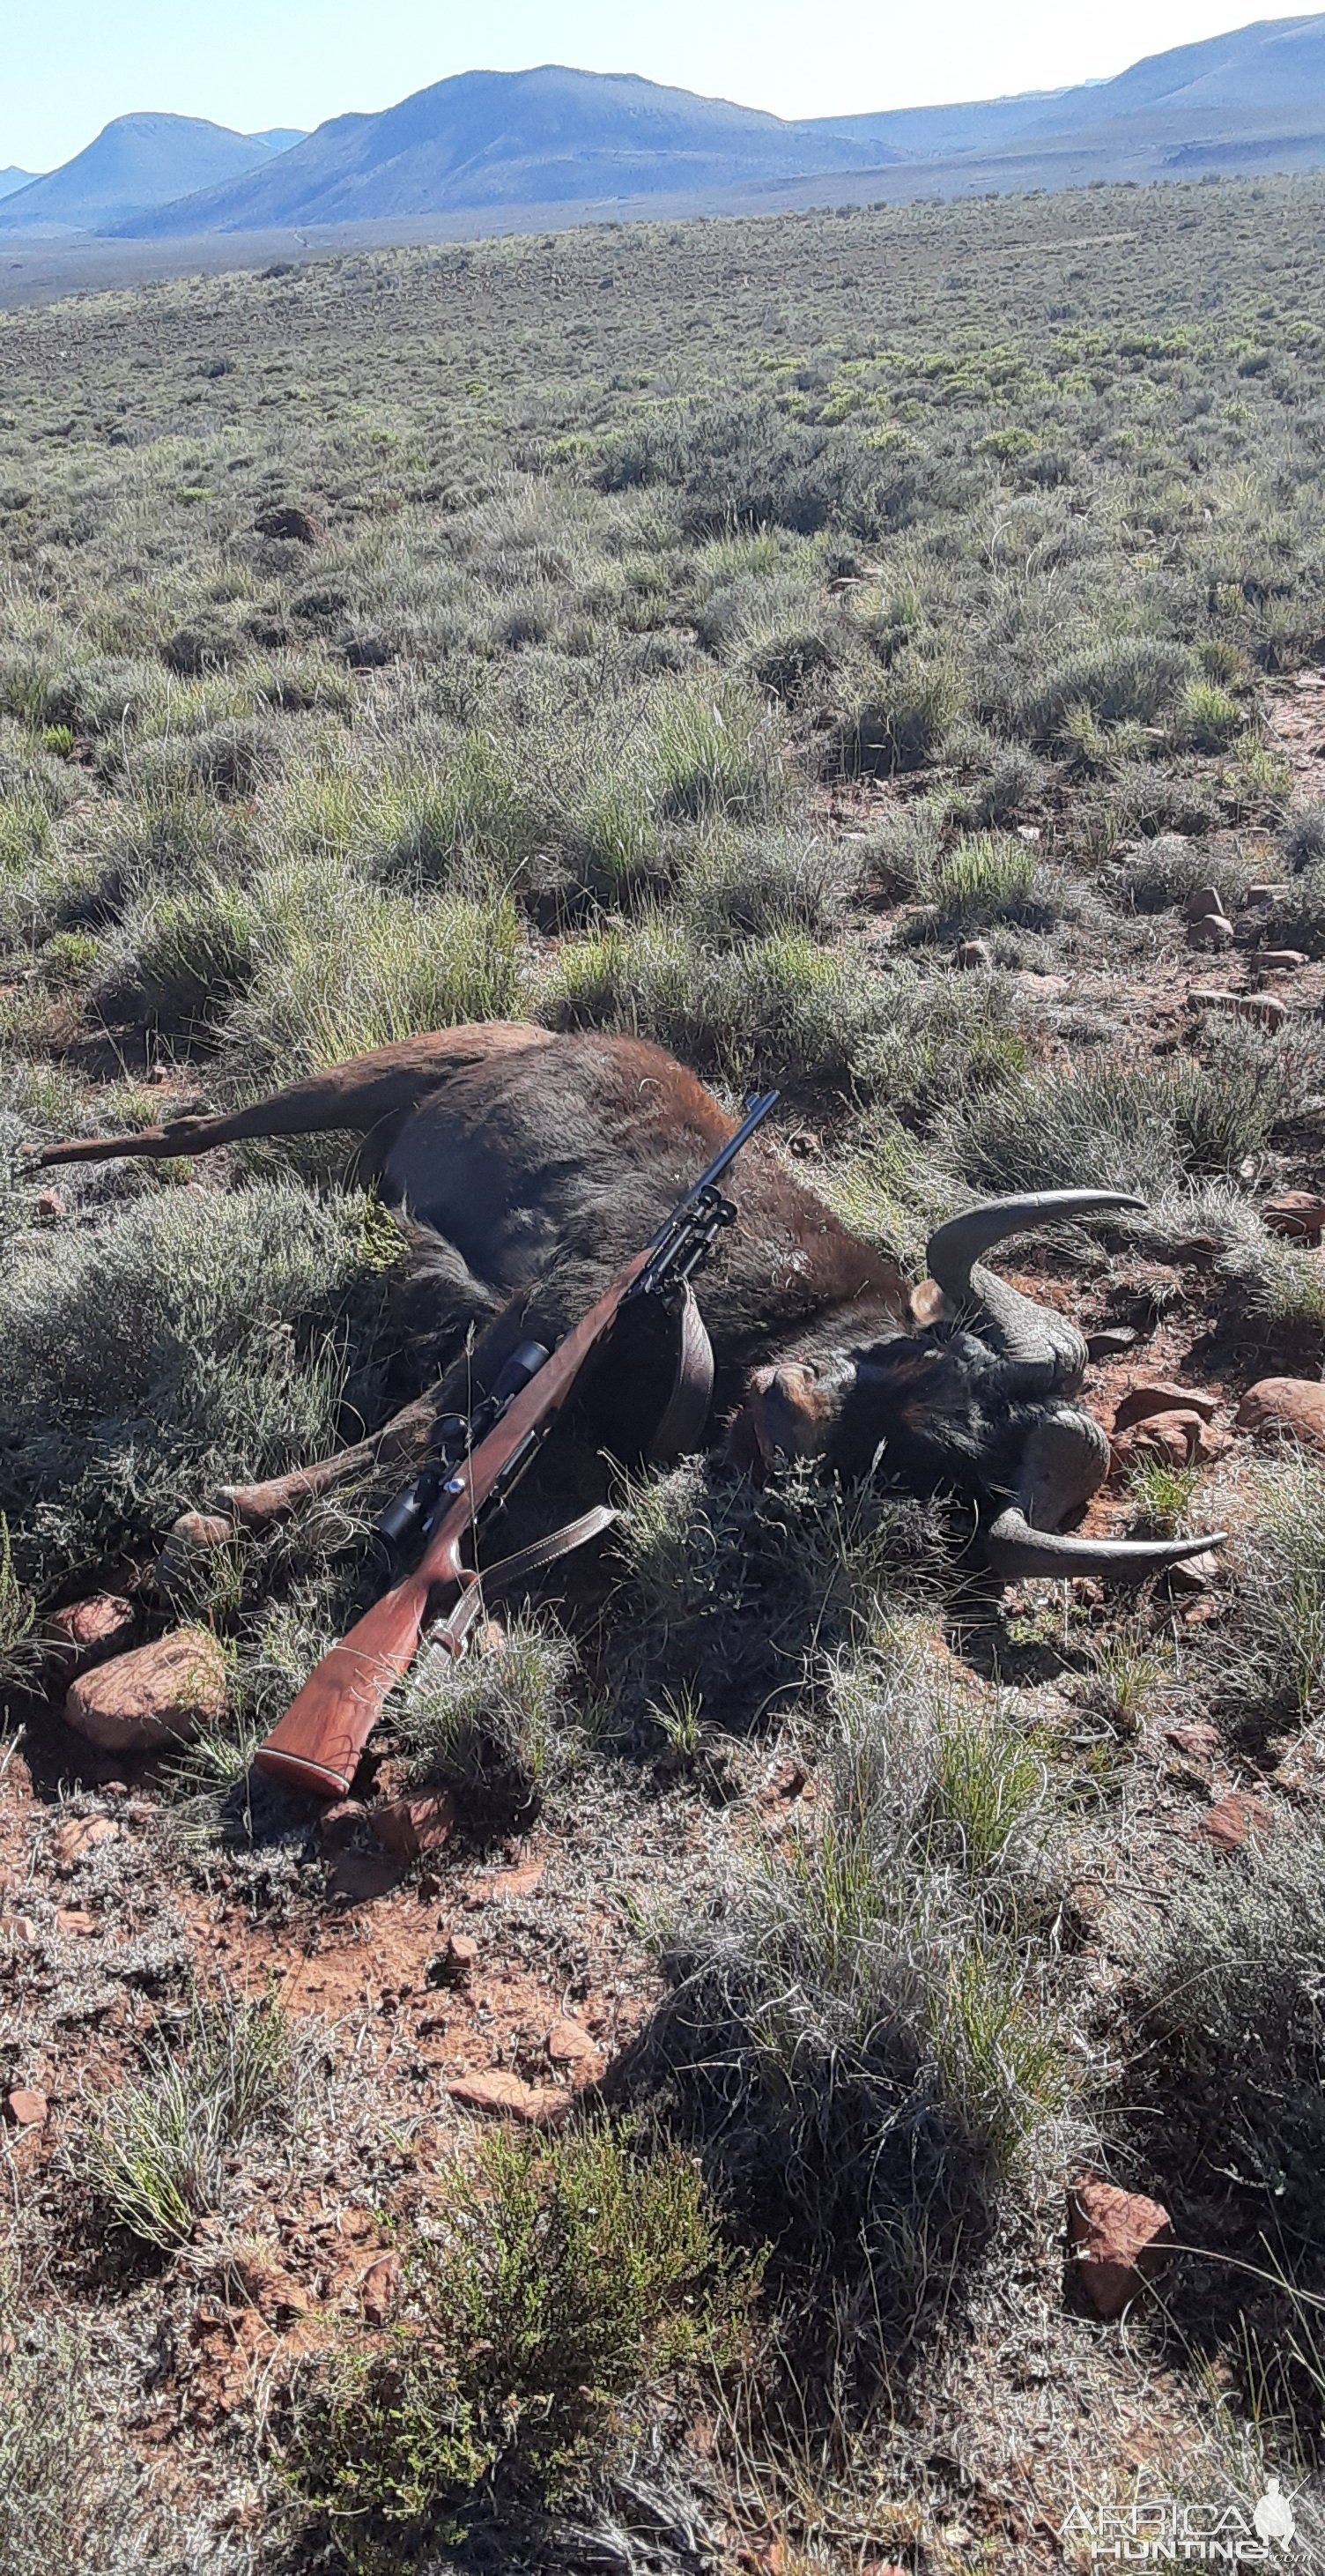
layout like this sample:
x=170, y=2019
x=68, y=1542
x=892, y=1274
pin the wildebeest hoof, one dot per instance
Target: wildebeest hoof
x=193, y=1534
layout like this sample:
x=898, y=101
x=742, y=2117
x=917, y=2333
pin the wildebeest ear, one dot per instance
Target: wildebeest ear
x=928, y=1305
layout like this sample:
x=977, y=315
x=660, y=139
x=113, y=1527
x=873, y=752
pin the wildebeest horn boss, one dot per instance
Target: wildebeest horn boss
x=535, y=1165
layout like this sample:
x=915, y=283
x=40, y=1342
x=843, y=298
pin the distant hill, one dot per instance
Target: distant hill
x=486, y=145
x=1266, y=79
x=281, y=138
x=511, y=138
x=10, y=180
x=135, y=163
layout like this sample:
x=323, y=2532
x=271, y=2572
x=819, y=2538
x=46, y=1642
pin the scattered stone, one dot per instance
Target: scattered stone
x=360, y=1877
x=87, y=1633
x=1286, y=1408
x=1280, y=961
x=1178, y=1439
x=408, y=1826
x=1232, y=1820
x=1203, y=904
x=1111, y=1343
x=1211, y=931
x=455, y=1965
x=297, y=527
x=75, y=1923
x=1201, y=1743
x=1264, y=1009
x=1259, y=897
x=25, y=2108
x=1117, y=2242
x=974, y=953
x=1195, y=1574
x=518, y=1882
x=339, y=1823
x=1298, y=1214
x=80, y=1835
x=379, y=2290
x=50, y=1206
x=570, y=2046
x=538, y=2105
x=1157, y=1396
x=159, y=1694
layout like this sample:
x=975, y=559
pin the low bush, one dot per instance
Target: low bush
x=556, y=2282
x=180, y=1341
x=990, y=877
x=1131, y=676
x=1110, y=1125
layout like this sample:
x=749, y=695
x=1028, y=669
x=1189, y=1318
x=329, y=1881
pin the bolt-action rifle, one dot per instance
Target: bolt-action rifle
x=317, y=1744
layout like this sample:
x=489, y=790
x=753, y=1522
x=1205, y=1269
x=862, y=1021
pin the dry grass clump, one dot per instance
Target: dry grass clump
x=776, y=1005
x=496, y=1728
x=158, y=2152
x=1117, y=1125
x=868, y=2036
x=178, y=1342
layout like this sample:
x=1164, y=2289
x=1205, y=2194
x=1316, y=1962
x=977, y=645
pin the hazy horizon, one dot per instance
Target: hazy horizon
x=296, y=63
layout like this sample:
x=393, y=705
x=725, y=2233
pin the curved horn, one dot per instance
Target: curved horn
x=1016, y=1550
x=1064, y=1462
x=1040, y=1343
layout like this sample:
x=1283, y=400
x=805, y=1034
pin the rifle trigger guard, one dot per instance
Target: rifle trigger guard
x=452, y=1634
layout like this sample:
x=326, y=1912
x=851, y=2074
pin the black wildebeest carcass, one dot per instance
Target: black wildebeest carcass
x=538, y=1164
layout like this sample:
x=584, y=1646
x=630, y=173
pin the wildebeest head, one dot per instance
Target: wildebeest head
x=978, y=1394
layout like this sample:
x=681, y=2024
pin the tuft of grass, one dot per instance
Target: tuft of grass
x=777, y=1004
x=867, y=2028
x=494, y=1726
x=989, y=877
x=1280, y=1661
x=157, y=2151
x=1161, y=1497
x=557, y=2282
x=1114, y=1125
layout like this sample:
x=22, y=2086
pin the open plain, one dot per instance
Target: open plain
x=880, y=654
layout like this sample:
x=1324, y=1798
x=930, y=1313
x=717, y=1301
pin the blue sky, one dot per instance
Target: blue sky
x=256, y=63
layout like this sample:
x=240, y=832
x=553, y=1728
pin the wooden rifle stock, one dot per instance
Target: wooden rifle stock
x=317, y=1744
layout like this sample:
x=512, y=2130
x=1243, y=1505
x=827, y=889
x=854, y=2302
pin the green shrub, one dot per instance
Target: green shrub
x=1208, y=718
x=1136, y=676
x=180, y=959
x=989, y=877
x=558, y=2281
x=1110, y=1125
x=768, y=1006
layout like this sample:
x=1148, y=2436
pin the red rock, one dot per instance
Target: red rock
x=75, y=1923
x=1178, y=1439
x=361, y=1876
x=78, y=1836
x=1156, y=1396
x=1280, y=961
x=159, y=1694
x=339, y=1823
x=973, y=953
x=50, y=1206
x=297, y=527
x=458, y=1960
x=26, y=2108
x=1231, y=1822
x=1298, y=1214
x=379, y=2290
x=538, y=2105
x=1195, y=1574
x=1285, y=1408
x=1200, y=1742
x=1211, y=931
x=1265, y=1009
x=1117, y=2241
x=409, y=1826
x=86, y=1634
x=25, y=1930
x=1201, y=904
x=518, y=1882
x=570, y=2046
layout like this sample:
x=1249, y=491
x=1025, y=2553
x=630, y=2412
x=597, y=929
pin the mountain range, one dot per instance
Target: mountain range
x=552, y=138
x=135, y=164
